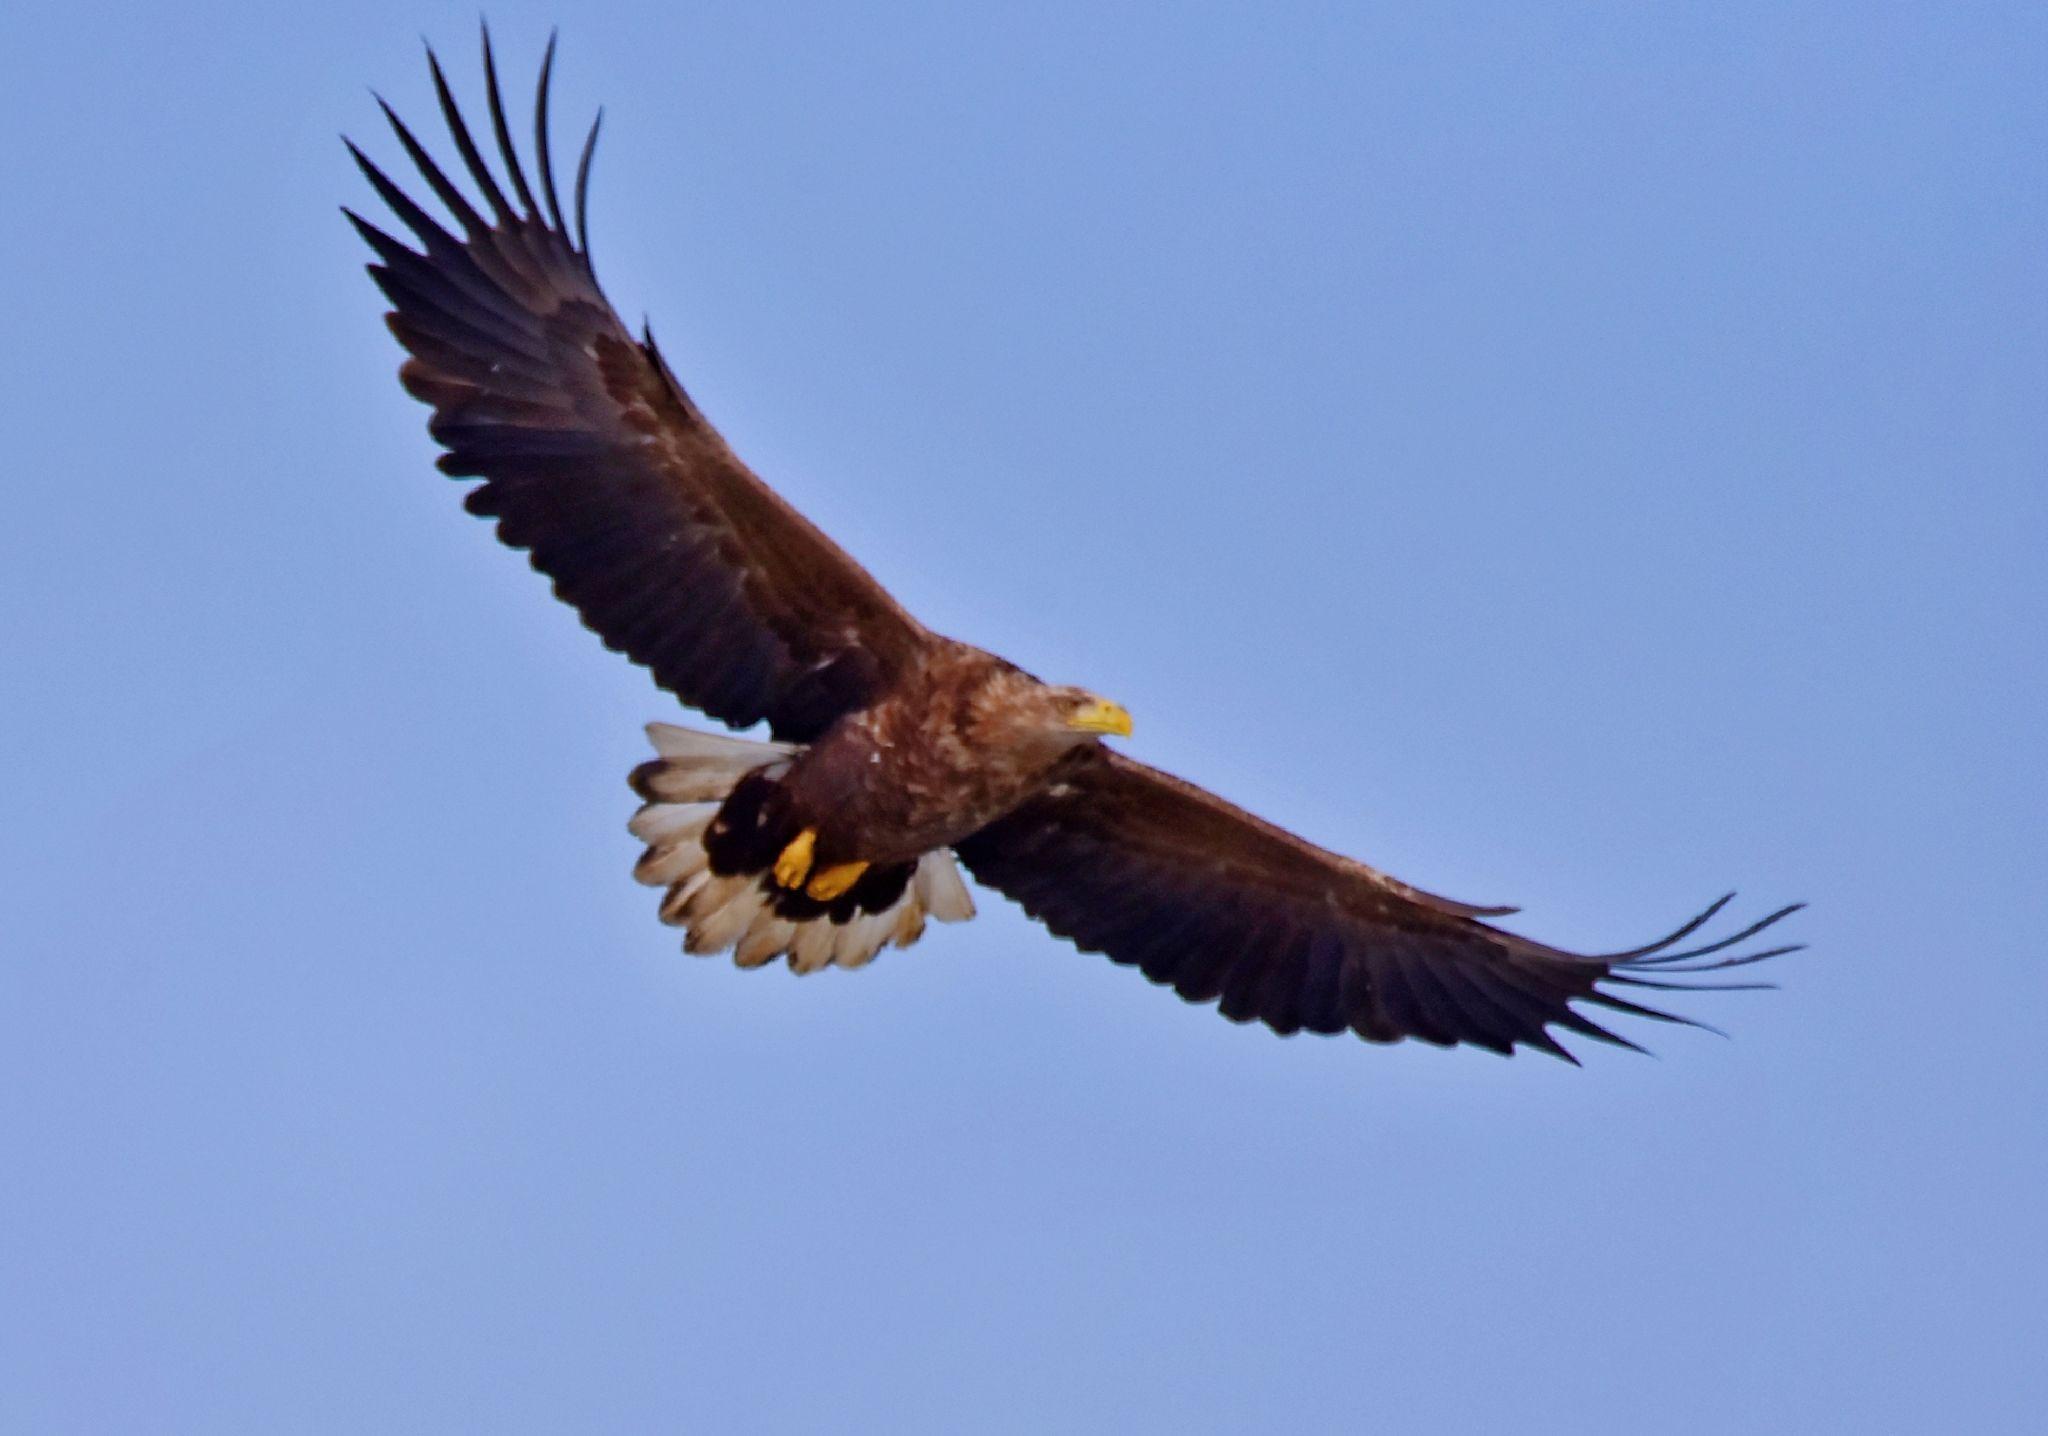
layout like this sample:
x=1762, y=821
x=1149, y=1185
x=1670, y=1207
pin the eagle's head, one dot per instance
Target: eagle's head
x=1076, y=710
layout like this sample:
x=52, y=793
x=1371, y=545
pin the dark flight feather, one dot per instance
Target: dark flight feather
x=599, y=465
x=1292, y=935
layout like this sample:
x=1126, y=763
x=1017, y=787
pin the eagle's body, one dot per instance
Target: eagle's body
x=835, y=832
x=964, y=739
x=893, y=750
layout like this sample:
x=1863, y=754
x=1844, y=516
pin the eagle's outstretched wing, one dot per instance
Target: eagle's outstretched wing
x=1205, y=898
x=597, y=462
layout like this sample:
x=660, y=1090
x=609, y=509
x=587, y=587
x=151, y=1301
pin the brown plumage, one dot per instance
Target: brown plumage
x=892, y=748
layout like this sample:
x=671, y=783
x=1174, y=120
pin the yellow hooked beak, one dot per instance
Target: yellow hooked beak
x=1099, y=715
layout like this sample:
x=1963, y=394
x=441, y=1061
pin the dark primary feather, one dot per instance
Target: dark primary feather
x=596, y=461
x=1224, y=907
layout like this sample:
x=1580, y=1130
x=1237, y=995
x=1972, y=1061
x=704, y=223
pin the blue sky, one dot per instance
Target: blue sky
x=1582, y=456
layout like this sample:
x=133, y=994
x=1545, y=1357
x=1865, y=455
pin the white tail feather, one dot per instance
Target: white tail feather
x=665, y=867
x=862, y=938
x=725, y=923
x=694, y=745
x=674, y=833
x=940, y=889
x=692, y=776
x=659, y=824
x=678, y=898
x=812, y=948
x=703, y=767
x=909, y=925
x=765, y=941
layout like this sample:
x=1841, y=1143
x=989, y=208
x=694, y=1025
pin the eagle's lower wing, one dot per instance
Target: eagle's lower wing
x=1215, y=903
x=598, y=464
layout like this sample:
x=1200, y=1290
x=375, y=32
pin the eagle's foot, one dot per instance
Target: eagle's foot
x=794, y=865
x=831, y=882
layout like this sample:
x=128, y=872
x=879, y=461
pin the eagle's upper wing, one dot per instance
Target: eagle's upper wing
x=598, y=464
x=1202, y=896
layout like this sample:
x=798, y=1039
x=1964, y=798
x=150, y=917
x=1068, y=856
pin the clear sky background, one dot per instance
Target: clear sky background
x=1583, y=456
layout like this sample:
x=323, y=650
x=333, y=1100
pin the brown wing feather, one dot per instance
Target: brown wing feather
x=598, y=463
x=1225, y=907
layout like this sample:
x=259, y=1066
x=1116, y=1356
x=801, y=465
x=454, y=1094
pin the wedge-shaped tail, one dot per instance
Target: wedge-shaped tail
x=709, y=822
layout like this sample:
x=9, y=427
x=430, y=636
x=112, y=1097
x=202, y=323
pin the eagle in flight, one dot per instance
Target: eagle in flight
x=896, y=755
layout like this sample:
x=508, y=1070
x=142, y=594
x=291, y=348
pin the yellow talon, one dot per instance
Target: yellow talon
x=833, y=881
x=795, y=863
